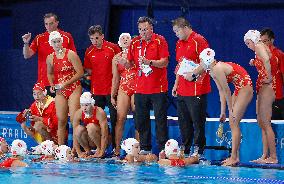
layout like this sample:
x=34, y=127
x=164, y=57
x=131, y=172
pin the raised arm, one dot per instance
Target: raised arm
x=27, y=51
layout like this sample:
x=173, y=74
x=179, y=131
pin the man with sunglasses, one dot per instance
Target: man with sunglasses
x=98, y=64
x=267, y=37
x=40, y=44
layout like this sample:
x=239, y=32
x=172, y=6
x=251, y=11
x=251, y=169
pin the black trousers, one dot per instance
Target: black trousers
x=143, y=104
x=278, y=109
x=102, y=101
x=192, y=117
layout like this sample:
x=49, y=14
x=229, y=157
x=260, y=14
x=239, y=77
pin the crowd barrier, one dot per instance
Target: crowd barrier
x=250, y=148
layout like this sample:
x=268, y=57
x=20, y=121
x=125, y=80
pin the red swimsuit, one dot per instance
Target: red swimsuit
x=64, y=71
x=7, y=163
x=239, y=77
x=127, y=79
x=177, y=162
x=262, y=74
x=92, y=119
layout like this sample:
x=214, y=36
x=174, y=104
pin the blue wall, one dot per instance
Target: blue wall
x=6, y=32
x=223, y=24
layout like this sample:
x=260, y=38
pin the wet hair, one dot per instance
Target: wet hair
x=145, y=19
x=268, y=32
x=181, y=22
x=48, y=15
x=95, y=29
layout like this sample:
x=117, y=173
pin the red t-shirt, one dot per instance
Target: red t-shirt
x=190, y=49
x=100, y=62
x=40, y=44
x=156, y=49
x=279, y=71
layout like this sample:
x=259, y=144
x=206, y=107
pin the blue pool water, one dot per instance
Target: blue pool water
x=110, y=172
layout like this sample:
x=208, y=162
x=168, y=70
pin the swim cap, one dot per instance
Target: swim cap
x=54, y=35
x=61, y=152
x=86, y=98
x=19, y=147
x=171, y=147
x=47, y=147
x=123, y=34
x=253, y=35
x=207, y=56
x=127, y=145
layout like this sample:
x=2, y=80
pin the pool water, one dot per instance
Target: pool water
x=111, y=172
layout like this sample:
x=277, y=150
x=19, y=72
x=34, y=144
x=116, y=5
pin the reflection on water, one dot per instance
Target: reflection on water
x=172, y=171
x=113, y=172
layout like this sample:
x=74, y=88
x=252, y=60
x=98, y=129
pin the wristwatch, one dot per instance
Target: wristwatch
x=151, y=63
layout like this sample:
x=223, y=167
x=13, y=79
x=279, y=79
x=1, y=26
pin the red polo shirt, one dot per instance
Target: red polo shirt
x=280, y=71
x=40, y=44
x=156, y=49
x=280, y=55
x=191, y=49
x=100, y=62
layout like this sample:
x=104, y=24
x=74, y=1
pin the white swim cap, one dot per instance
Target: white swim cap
x=47, y=147
x=62, y=152
x=121, y=35
x=54, y=35
x=127, y=145
x=253, y=35
x=19, y=147
x=86, y=98
x=207, y=55
x=171, y=147
x=37, y=150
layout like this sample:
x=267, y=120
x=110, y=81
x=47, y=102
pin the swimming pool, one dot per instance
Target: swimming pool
x=110, y=172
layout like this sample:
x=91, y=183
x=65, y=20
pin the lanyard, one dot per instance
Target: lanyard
x=140, y=50
x=140, y=55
